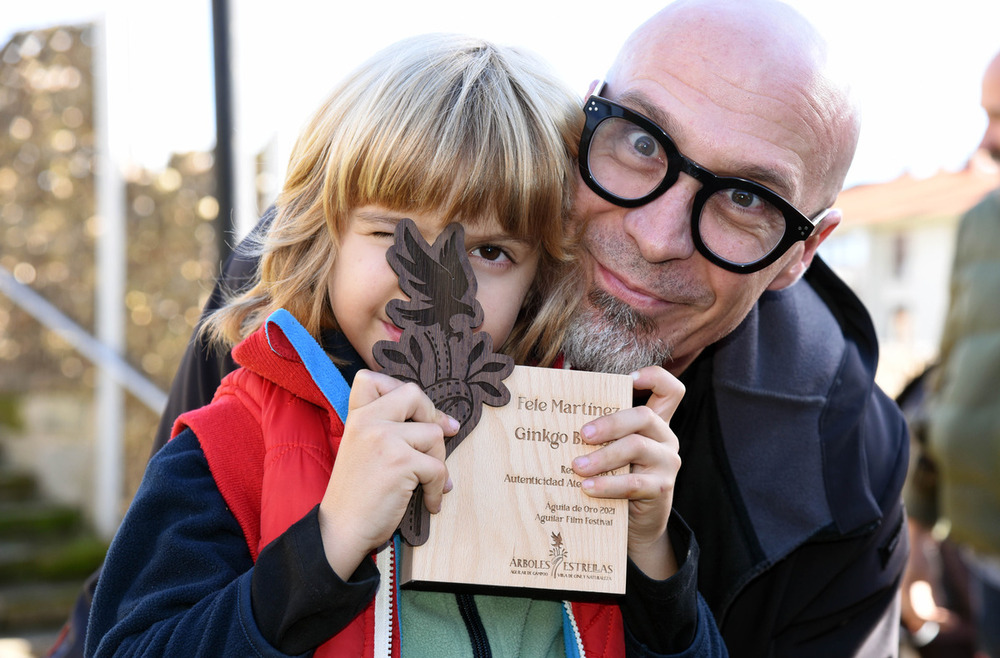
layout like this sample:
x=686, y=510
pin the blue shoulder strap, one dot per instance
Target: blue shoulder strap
x=323, y=371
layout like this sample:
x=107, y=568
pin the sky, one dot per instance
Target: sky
x=916, y=72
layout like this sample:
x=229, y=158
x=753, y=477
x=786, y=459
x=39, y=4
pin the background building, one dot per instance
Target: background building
x=895, y=249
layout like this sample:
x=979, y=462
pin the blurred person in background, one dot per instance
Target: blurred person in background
x=964, y=408
x=936, y=614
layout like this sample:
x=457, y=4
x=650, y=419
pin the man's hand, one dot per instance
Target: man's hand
x=641, y=439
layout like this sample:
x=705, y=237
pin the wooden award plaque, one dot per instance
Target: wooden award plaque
x=517, y=516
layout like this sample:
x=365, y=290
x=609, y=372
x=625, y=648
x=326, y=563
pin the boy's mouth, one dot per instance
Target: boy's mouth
x=394, y=332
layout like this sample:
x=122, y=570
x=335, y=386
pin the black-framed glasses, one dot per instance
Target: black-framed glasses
x=737, y=224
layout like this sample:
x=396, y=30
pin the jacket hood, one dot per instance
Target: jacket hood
x=793, y=392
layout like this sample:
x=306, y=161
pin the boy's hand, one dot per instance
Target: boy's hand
x=393, y=441
x=640, y=439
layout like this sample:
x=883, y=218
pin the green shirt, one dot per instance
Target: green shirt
x=432, y=625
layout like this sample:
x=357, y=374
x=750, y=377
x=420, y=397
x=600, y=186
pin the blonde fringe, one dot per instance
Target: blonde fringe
x=326, y=180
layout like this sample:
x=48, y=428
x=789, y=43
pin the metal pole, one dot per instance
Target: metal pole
x=223, y=128
x=111, y=272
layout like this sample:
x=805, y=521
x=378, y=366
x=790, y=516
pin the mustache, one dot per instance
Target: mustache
x=666, y=281
x=618, y=313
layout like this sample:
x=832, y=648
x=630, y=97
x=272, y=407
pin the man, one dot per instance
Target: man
x=793, y=460
x=964, y=414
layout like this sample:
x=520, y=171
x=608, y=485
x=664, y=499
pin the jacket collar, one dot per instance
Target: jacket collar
x=273, y=355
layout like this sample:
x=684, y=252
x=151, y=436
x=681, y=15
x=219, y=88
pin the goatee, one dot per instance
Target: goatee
x=611, y=336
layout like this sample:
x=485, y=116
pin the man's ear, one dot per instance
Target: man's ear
x=593, y=86
x=795, y=268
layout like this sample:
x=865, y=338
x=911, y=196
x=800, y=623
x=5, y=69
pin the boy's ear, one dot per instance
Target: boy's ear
x=795, y=268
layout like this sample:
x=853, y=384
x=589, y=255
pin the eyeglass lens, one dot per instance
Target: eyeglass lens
x=737, y=225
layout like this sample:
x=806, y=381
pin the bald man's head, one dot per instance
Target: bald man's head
x=756, y=56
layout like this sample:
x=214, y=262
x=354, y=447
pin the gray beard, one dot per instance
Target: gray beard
x=611, y=336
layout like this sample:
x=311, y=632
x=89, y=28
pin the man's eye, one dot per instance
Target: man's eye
x=644, y=144
x=743, y=198
x=489, y=252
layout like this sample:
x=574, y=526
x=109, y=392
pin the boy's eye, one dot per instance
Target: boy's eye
x=489, y=252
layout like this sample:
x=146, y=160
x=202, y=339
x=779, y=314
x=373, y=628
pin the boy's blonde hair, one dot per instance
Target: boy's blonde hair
x=437, y=123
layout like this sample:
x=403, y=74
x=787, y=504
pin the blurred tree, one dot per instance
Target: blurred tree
x=48, y=230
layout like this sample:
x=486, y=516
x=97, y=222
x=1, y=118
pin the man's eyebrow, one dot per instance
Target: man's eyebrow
x=650, y=110
x=766, y=176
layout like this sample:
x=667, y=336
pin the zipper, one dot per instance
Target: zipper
x=474, y=625
x=384, y=600
x=571, y=633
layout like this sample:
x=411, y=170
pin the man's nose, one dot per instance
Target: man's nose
x=662, y=228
